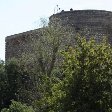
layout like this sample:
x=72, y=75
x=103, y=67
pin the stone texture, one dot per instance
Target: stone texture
x=89, y=22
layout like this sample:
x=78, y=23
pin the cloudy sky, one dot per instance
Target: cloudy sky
x=18, y=16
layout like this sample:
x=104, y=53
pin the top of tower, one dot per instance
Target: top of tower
x=87, y=11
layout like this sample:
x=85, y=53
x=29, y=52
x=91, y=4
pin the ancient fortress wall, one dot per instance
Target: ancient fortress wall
x=96, y=23
x=18, y=44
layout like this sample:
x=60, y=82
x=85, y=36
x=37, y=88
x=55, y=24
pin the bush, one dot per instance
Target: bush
x=18, y=107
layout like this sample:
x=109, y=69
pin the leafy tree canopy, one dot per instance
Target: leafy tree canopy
x=18, y=107
x=86, y=85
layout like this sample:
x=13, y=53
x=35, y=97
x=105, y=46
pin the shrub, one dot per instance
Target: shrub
x=18, y=107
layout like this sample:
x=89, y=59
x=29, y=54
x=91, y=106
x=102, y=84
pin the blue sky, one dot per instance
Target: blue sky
x=18, y=16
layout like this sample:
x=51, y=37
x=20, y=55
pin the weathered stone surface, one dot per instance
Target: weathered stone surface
x=18, y=44
x=96, y=23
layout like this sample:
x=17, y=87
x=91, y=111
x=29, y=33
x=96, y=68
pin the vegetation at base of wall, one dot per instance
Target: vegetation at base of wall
x=66, y=73
x=84, y=84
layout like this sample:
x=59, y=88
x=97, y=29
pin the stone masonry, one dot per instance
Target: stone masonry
x=96, y=23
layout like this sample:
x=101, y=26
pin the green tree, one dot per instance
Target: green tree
x=3, y=86
x=13, y=76
x=51, y=40
x=20, y=84
x=86, y=85
x=45, y=60
x=18, y=107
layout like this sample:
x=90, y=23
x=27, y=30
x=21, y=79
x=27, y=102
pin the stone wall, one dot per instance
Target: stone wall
x=18, y=44
x=89, y=22
x=93, y=22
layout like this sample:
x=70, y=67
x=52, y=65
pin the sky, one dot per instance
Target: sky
x=18, y=16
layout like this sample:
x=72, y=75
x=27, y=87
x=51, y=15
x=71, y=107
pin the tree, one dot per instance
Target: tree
x=52, y=39
x=87, y=80
x=18, y=107
x=3, y=86
x=20, y=85
x=45, y=59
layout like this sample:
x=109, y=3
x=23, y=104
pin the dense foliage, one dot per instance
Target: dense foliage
x=86, y=85
x=18, y=107
x=15, y=83
x=75, y=78
x=3, y=85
